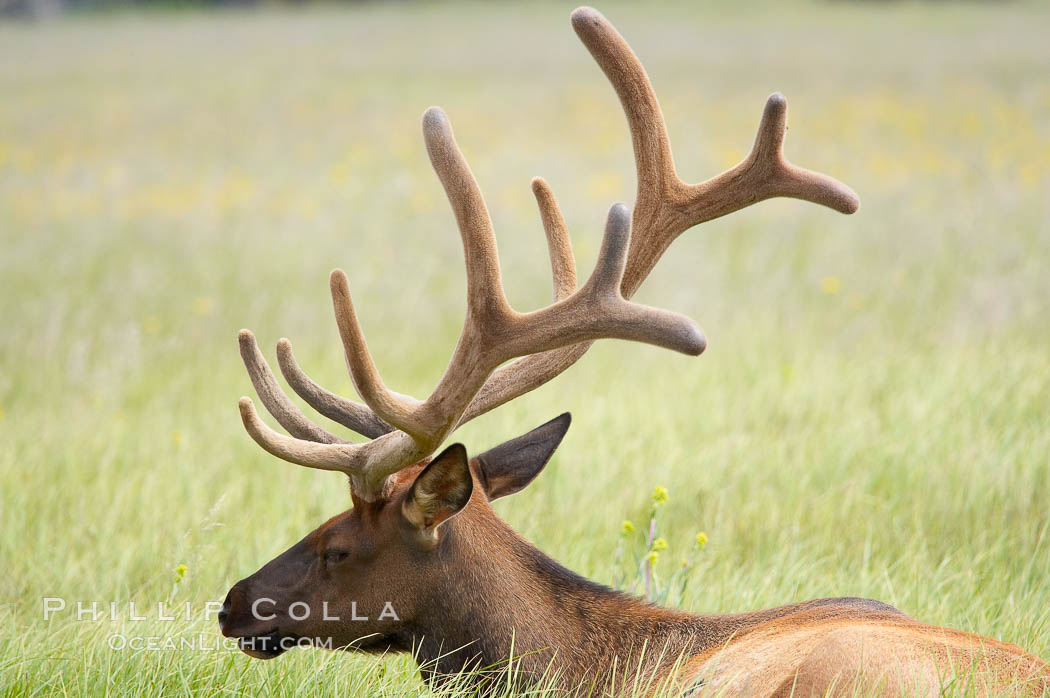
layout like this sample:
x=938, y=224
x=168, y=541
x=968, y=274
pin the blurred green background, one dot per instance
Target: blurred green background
x=870, y=418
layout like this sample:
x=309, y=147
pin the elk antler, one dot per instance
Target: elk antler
x=405, y=430
x=665, y=206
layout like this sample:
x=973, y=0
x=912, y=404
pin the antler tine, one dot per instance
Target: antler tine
x=323, y=456
x=785, y=179
x=652, y=148
x=486, y=301
x=615, y=317
x=368, y=464
x=563, y=262
x=763, y=174
x=612, y=255
x=278, y=404
x=350, y=414
x=399, y=410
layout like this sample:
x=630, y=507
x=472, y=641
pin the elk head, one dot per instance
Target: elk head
x=416, y=520
x=369, y=573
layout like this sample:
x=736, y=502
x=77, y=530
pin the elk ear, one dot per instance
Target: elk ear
x=512, y=465
x=441, y=490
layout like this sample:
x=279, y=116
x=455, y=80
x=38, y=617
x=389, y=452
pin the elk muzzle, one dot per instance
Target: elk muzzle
x=254, y=621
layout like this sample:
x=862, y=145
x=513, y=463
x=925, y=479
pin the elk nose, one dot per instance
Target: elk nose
x=224, y=613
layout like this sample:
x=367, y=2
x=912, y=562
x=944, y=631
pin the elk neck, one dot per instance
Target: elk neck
x=502, y=597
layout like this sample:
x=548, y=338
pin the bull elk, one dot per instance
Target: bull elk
x=422, y=563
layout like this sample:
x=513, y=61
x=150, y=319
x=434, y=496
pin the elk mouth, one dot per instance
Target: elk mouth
x=268, y=646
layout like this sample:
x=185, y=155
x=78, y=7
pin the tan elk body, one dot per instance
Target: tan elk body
x=422, y=563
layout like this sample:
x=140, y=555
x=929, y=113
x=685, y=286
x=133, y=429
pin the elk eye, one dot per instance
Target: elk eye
x=332, y=557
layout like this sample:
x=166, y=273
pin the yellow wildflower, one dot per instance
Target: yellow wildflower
x=202, y=305
x=152, y=325
x=830, y=285
x=180, y=572
x=626, y=528
x=660, y=495
x=652, y=557
x=701, y=540
x=659, y=544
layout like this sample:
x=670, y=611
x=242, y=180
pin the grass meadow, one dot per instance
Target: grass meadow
x=871, y=418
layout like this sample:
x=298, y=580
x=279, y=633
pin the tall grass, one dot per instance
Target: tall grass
x=871, y=417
